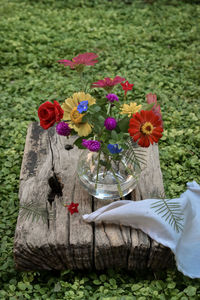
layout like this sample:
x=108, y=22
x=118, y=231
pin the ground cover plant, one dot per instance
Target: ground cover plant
x=156, y=47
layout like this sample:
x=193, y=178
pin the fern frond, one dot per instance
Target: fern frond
x=31, y=210
x=170, y=211
x=136, y=155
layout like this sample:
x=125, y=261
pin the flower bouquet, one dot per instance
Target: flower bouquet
x=114, y=132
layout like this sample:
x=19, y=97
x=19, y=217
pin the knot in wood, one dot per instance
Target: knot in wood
x=56, y=188
x=68, y=147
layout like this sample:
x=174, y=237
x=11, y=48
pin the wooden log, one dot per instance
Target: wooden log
x=48, y=181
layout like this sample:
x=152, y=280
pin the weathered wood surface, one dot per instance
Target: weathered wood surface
x=48, y=179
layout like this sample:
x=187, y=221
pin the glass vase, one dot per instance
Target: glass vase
x=107, y=178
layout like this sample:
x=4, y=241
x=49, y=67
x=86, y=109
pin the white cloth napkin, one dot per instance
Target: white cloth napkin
x=184, y=244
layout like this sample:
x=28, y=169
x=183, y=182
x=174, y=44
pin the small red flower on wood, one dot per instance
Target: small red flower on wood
x=72, y=208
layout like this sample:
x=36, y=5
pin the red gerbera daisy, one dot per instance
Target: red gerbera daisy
x=145, y=127
x=127, y=86
x=72, y=208
x=107, y=83
x=85, y=59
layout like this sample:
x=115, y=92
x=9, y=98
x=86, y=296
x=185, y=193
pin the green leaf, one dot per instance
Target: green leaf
x=112, y=281
x=102, y=102
x=171, y=285
x=102, y=277
x=57, y=287
x=170, y=211
x=114, y=135
x=136, y=287
x=32, y=210
x=96, y=108
x=97, y=282
x=147, y=106
x=85, y=118
x=190, y=291
x=101, y=119
x=78, y=143
x=123, y=124
x=12, y=287
x=22, y=286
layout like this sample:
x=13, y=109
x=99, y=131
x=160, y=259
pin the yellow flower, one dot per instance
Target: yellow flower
x=130, y=109
x=72, y=115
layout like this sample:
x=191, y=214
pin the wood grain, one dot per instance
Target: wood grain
x=48, y=179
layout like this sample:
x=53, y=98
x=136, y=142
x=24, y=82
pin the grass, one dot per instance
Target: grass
x=156, y=47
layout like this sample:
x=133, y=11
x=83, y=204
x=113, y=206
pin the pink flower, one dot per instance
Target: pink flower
x=107, y=83
x=85, y=59
x=152, y=98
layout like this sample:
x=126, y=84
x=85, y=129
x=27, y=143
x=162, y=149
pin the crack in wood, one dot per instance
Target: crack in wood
x=72, y=252
x=38, y=260
x=126, y=246
x=129, y=249
x=54, y=181
x=48, y=223
x=109, y=250
x=149, y=253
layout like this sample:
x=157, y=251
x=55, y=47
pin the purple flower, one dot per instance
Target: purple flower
x=114, y=148
x=84, y=143
x=110, y=123
x=83, y=106
x=91, y=145
x=112, y=98
x=63, y=128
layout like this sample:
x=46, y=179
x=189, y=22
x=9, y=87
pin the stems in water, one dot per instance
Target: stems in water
x=98, y=165
x=118, y=183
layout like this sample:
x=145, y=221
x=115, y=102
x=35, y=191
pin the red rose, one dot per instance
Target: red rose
x=50, y=113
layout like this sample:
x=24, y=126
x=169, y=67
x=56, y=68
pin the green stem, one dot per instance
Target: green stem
x=127, y=169
x=81, y=79
x=108, y=110
x=98, y=165
x=118, y=182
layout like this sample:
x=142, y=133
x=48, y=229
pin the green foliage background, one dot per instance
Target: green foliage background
x=156, y=47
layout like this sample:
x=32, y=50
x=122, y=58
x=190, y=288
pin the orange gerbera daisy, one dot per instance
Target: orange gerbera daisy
x=145, y=127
